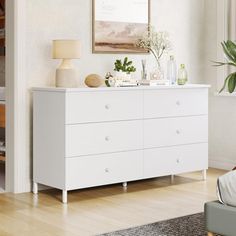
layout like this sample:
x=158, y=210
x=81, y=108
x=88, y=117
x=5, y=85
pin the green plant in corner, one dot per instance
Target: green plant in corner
x=125, y=66
x=229, y=48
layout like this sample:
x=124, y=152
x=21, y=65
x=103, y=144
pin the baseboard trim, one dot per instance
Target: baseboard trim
x=223, y=165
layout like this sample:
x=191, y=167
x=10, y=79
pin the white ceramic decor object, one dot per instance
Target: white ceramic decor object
x=66, y=74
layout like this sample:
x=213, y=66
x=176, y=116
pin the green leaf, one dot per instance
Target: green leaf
x=231, y=46
x=129, y=63
x=107, y=83
x=118, y=65
x=232, y=83
x=227, y=52
x=125, y=61
x=225, y=83
x=218, y=63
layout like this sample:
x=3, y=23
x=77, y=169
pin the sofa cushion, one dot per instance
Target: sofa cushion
x=226, y=188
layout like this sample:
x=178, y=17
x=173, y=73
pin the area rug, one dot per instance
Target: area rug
x=192, y=225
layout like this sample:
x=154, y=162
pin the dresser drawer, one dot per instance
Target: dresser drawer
x=87, y=107
x=175, y=102
x=96, y=138
x=175, y=160
x=175, y=131
x=103, y=169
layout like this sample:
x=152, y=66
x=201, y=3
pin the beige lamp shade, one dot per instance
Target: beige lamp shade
x=66, y=49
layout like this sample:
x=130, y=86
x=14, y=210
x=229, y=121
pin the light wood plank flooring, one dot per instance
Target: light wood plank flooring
x=104, y=209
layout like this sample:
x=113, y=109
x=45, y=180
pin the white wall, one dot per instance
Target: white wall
x=222, y=132
x=54, y=19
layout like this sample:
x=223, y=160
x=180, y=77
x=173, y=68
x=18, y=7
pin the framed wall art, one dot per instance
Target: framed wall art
x=117, y=25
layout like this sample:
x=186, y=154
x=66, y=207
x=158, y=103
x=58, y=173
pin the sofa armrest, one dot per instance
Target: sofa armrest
x=220, y=219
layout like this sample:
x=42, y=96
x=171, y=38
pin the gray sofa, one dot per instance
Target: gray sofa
x=220, y=219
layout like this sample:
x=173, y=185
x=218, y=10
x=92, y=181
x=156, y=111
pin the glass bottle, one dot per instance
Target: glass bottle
x=171, y=70
x=182, y=75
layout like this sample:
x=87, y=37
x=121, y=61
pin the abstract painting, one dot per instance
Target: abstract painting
x=118, y=24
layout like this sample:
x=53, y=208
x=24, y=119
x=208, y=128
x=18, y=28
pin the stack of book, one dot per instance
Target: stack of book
x=154, y=82
x=126, y=83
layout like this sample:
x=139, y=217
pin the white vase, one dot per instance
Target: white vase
x=120, y=75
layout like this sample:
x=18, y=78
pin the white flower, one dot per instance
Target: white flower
x=156, y=42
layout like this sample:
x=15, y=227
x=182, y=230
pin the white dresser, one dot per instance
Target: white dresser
x=89, y=137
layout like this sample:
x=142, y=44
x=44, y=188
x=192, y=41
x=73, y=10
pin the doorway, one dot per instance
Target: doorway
x=2, y=98
x=17, y=175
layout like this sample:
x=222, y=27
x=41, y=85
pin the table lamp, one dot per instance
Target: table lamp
x=66, y=73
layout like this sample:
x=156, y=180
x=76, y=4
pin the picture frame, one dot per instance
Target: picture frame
x=115, y=29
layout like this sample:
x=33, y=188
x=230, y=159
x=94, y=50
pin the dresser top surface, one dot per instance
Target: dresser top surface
x=86, y=89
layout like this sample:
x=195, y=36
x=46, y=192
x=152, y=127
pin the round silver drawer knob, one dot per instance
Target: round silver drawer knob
x=177, y=131
x=178, y=160
x=107, y=138
x=107, y=106
x=178, y=103
x=107, y=170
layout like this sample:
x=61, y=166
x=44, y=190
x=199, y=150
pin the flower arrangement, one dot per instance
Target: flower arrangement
x=157, y=43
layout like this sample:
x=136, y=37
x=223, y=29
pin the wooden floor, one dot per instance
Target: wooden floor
x=98, y=210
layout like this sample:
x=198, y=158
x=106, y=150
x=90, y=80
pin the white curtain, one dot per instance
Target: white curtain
x=231, y=25
x=226, y=29
x=232, y=20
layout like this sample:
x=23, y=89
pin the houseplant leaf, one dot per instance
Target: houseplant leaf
x=231, y=46
x=225, y=83
x=124, y=66
x=232, y=82
x=227, y=52
x=218, y=63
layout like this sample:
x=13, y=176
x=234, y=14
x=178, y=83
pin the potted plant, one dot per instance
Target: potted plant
x=124, y=68
x=229, y=48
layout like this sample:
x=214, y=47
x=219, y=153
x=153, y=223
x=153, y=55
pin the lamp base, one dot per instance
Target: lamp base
x=66, y=78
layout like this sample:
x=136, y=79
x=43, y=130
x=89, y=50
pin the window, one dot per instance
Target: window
x=226, y=29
